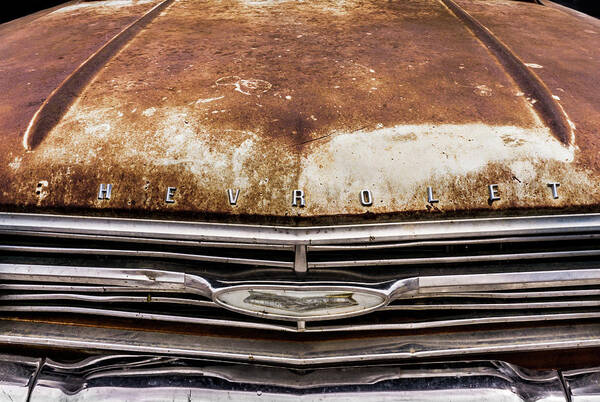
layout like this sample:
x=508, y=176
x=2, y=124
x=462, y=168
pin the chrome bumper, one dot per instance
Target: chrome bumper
x=155, y=378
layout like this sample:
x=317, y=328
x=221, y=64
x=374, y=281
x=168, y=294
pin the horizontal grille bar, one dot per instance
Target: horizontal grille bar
x=147, y=316
x=307, y=353
x=141, y=240
x=106, y=299
x=453, y=260
x=249, y=324
x=326, y=235
x=495, y=240
x=144, y=253
x=494, y=306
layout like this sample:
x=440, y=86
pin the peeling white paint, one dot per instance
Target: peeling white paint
x=483, y=90
x=406, y=157
x=149, y=112
x=16, y=163
x=184, y=145
x=97, y=130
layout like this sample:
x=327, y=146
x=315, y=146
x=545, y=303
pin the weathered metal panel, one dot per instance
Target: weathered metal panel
x=331, y=98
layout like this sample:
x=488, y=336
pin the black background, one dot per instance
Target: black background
x=24, y=7
x=591, y=7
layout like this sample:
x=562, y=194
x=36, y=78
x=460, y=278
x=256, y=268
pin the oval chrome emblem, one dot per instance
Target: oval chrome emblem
x=299, y=304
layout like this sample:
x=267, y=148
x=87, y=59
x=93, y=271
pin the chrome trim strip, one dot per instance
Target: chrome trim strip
x=508, y=295
x=89, y=365
x=102, y=276
x=451, y=260
x=494, y=240
x=301, y=353
x=97, y=289
x=510, y=280
x=489, y=306
x=447, y=323
x=146, y=253
x=314, y=235
x=454, y=323
x=143, y=240
x=106, y=299
x=148, y=316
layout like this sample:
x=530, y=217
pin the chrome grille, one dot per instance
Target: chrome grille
x=445, y=274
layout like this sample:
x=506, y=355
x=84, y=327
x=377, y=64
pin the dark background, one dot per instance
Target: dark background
x=25, y=7
x=591, y=7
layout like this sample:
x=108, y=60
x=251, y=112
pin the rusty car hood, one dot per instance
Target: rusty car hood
x=328, y=97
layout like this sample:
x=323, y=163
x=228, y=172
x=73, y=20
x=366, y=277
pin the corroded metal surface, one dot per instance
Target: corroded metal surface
x=328, y=97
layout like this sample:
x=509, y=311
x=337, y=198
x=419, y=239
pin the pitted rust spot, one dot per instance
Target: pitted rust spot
x=329, y=97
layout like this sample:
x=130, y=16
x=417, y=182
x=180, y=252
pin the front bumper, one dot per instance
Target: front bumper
x=156, y=378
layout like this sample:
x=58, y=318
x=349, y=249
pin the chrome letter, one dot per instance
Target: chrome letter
x=170, y=193
x=366, y=198
x=233, y=198
x=430, y=198
x=298, y=197
x=105, y=190
x=493, y=188
x=554, y=187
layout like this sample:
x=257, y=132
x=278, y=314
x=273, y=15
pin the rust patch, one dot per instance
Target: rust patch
x=550, y=111
x=566, y=47
x=56, y=104
x=36, y=55
x=270, y=96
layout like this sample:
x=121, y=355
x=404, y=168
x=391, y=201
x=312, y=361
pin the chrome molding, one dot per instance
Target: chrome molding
x=143, y=240
x=283, y=235
x=305, y=353
x=448, y=260
x=104, y=299
x=152, y=254
x=462, y=242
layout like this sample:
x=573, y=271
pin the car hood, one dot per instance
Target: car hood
x=339, y=99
